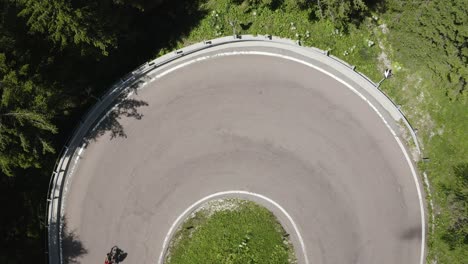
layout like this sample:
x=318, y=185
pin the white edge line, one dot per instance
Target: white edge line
x=337, y=79
x=413, y=171
x=192, y=207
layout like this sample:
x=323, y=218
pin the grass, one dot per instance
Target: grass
x=358, y=46
x=442, y=123
x=231, y=231
x=441, y=120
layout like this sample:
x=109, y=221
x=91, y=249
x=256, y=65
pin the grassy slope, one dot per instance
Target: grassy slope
x=441, y=123
x=248, y=234
x=442, y=127
x=288, y=22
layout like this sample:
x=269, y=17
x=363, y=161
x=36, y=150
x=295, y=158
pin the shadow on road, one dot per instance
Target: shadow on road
x=72, y=247
x=124, y=107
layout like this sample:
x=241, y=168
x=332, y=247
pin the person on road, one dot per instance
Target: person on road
x=115, y=256
x=111, y=257
x=108, y=259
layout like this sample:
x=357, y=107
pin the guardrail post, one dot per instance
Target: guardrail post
x=387, y=74
x=123, y=85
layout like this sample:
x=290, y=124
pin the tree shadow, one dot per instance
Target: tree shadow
x=354, y=17
x=377, y=5
x=140, y=35
x=142, y=29
x=22, y=225
x=273, y=5
x=72, y=247
x=124, y=107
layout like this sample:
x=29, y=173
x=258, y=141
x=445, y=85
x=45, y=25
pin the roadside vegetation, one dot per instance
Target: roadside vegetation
x=57, y=57
x=231, y=231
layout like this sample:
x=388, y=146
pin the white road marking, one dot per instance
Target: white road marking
x=192, y=207
x=234, y=53
x=410, y=164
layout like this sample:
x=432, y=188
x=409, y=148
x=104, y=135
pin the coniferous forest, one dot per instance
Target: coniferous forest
x=58, y=56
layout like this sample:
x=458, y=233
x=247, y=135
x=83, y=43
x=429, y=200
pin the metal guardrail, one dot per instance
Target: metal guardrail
x=68, y=152
x=402, y=115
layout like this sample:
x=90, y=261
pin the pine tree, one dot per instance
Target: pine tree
x=25, y=119
x=65, y=25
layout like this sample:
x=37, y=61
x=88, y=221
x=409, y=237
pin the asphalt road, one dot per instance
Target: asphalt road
x=253, y=123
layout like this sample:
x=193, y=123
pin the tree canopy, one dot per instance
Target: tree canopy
x=58, y=56
x=25, y=118
x=63, y=24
